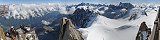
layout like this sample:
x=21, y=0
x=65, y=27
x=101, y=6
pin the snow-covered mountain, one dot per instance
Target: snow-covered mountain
x=94, y=21
x=25, y=11
x=105, y=28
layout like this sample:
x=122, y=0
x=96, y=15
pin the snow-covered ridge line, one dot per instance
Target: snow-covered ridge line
x=25, y=11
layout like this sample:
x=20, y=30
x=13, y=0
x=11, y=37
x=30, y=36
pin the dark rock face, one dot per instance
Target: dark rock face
x=143, y=32
x=124, y=27
x=88, y=4
x=115, y=12
x=126, y=5
x=133, y=17
x=80, y=17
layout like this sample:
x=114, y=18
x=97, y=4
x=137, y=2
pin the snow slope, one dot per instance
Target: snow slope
x=121, y=29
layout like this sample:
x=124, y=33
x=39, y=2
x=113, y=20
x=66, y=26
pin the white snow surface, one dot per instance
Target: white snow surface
x=45, y=22
x=105, y=29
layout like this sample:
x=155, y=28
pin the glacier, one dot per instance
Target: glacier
x=104, y=28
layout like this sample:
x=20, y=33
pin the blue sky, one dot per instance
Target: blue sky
x=75, y=1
